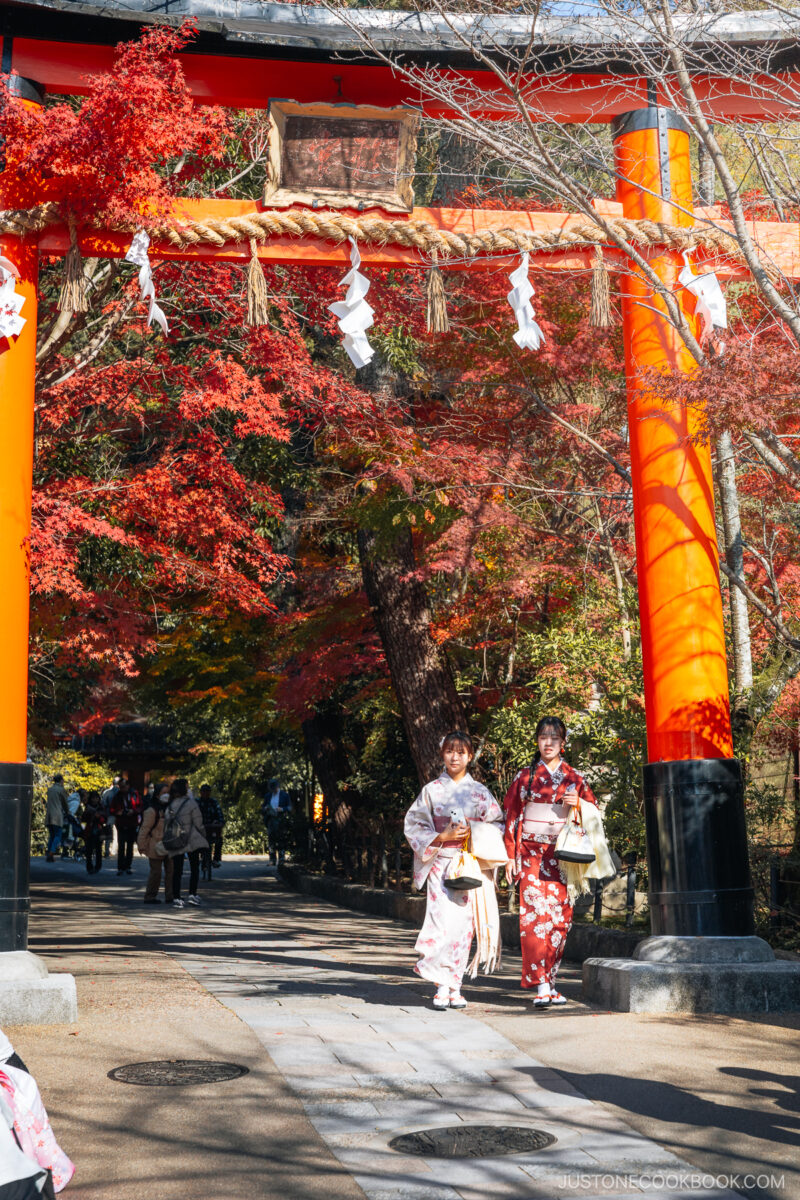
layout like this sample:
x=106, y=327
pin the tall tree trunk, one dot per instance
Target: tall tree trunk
x=619, y=585
x=421, y=676
x=731, y=522
x=321, y=734
x=790, y=875
x=706, y=176
x=734, y=557
x=622, y=602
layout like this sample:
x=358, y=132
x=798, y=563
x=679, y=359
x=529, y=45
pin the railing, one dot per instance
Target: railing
x=777, y=884
x=385, y=860
x=382, y=860
x=378, y=860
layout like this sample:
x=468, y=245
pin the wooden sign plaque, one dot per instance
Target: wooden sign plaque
x=341, y=156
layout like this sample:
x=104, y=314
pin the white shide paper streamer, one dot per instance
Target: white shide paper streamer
x=140, y=258
x=711, y=306
x=529, y=336
x=355, y=315
x=11, y=323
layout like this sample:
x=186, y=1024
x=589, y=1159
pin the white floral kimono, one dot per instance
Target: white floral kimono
x=450, y=916
x=32, y=1126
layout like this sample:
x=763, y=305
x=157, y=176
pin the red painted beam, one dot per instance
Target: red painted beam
x=779, y=241
x=64, y=68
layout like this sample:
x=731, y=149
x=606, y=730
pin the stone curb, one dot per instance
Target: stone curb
x=49, y=1001
x=584, y=940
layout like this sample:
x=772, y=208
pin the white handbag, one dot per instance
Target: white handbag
x=573, y=843
x=487, y=844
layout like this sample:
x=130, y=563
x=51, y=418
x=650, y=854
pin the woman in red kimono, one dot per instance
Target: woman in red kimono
x=536, y=808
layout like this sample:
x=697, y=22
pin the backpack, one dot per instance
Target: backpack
x=175, y=837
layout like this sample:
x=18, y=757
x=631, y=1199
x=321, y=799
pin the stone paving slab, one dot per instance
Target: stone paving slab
x=367, y=1070
x=291, y=969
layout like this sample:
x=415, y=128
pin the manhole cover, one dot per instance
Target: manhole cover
x=176, y=1072
x=472, y=1141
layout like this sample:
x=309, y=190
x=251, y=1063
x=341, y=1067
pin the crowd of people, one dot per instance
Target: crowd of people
x=168, y=825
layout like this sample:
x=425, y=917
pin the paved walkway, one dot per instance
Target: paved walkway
x=330, y=996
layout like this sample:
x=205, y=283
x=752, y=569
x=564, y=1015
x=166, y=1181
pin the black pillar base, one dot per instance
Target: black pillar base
x=16, y=803
x=700, y=883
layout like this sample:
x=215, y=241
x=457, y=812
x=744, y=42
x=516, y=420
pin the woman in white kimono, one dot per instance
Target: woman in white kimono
x=436, y=825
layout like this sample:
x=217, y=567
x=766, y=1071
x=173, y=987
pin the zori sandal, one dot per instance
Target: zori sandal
x=541, y=1002
x=557, y=999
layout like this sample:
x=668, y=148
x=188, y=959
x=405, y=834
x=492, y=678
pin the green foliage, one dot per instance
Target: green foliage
x=78, y=771
x=576, y=670
x=383, y=774
x=239, y=775
x=400, y=349
x=765, y=805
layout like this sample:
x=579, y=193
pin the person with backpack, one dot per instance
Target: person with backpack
x=126, y=809
x=94, y=823
x=72, y=832
x=183, y=835
x=150, y=844
x=55, y=815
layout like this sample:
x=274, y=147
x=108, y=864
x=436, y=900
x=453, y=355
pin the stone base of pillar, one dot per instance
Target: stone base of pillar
x=29, y=995
x=694, y=975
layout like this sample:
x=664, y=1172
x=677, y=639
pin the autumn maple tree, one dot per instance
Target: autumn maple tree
x=289, y=563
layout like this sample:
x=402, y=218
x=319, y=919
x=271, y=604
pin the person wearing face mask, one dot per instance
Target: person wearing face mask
x=151, y=832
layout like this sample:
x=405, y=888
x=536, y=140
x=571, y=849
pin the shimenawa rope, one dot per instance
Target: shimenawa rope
x=421, y=235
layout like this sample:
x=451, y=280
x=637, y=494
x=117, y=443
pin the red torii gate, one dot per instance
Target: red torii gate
x=699, y=879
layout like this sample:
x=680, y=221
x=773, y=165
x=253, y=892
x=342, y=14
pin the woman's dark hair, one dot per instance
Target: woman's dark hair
x=455, y=738
x=92, y=798
x=553, y=723
x=178, y=787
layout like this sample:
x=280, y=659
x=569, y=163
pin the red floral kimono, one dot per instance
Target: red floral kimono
x=535, y=814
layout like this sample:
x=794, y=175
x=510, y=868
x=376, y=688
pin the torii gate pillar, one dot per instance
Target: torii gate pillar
x=703, y=956
x=27, y=993
x=697, y=847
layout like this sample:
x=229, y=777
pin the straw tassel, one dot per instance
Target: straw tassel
x=601, y=315
x=438, y=321
x=257, y=291
x=72, y=297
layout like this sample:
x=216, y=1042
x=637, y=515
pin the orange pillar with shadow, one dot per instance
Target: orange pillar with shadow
x=17, y=386
x=697, y=853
